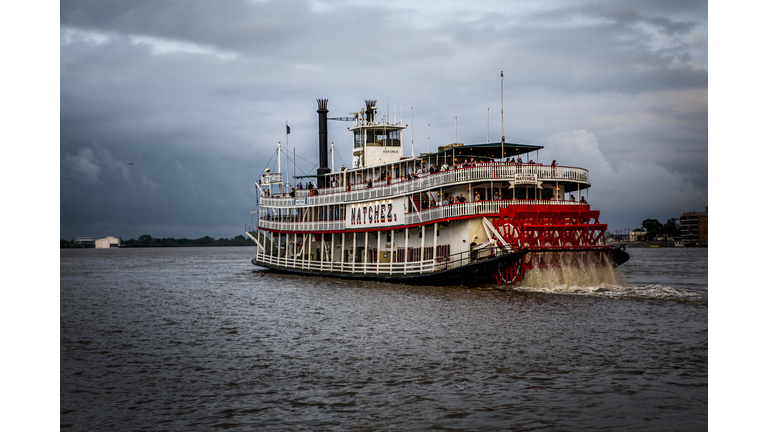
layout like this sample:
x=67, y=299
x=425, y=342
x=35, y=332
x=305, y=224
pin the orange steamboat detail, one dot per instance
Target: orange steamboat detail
x=546, y=230
x=547, y=227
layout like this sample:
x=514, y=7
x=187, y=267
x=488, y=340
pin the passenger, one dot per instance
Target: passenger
x=431, y=169
x=582, y=200
x=444, y=167
x=370, y=184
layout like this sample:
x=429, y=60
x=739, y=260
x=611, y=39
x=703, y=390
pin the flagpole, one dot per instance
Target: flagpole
x=288, y=162
x=502, y=116
x=294, y=161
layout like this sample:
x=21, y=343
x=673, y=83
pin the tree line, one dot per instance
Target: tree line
x=653, y=227
x=147, y=240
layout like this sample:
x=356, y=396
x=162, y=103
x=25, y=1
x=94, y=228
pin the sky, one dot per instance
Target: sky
x=169, y=111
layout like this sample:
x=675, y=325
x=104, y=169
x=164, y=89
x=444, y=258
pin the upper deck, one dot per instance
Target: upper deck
x=352, y=191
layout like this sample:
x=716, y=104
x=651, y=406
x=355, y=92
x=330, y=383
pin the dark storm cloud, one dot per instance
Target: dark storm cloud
x=196, y=96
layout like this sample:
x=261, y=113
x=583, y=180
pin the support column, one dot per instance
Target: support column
x=407, y=255
x=392, y=249
x=421, y=252
x=365, y=254
x=330, y=250
x=434, y=247
x=378, y=250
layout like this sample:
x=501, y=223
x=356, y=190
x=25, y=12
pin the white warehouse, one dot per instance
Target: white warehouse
x=109, y=242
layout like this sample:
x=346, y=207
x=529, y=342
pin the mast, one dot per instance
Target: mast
x=412, y=131
x=502, y=115
x=279, y=166
x=502, y=106
x=287, y=157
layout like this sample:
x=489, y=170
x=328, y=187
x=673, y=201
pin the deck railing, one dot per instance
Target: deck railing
x=421, y=182
x=477, y=208
x=381, y=268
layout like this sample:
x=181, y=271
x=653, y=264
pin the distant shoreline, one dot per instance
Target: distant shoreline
x=147, y=240
x=648, y=244
x=154, y=246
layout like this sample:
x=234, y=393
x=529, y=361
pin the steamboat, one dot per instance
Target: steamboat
x=465, y=214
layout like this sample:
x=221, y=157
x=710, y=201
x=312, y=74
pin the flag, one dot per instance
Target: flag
x=287, y=129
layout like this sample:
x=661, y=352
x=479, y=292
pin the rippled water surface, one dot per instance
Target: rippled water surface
x=198, y=339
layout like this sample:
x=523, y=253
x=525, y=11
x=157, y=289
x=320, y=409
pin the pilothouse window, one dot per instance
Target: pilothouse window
x=381, y=137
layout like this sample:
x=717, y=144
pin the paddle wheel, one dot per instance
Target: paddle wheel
x=554, y=235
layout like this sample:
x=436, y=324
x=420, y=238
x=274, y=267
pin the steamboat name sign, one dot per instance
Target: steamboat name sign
x=372, y=214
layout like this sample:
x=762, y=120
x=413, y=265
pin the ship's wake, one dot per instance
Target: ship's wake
x=600, y=280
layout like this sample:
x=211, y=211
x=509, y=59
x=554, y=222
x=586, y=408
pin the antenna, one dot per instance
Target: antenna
x=502, y=107
x=279, y=166
x=412, y=131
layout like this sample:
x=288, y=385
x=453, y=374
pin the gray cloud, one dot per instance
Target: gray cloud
x=196, y=96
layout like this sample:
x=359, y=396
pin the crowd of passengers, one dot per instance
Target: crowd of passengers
x=421, y=170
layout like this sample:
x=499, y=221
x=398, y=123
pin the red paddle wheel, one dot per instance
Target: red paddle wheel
x=555, y=235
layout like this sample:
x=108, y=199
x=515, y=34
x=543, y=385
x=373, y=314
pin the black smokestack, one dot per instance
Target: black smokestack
x=322, y=120
x=370, y=110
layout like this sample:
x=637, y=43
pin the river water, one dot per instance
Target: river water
x=200, y=339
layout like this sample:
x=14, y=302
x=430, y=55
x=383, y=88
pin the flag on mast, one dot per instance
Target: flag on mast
x=287, y=129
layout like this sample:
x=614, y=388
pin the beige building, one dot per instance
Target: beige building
x=109, y=242
x=635, y=235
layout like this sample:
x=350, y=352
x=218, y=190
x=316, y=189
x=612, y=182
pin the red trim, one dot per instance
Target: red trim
x=523, y=207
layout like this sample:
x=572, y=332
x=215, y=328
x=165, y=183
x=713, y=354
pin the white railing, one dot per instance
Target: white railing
x=288, y=225
x=393, y=268
x=390, y=268
x=477, y=208
x=399, y=186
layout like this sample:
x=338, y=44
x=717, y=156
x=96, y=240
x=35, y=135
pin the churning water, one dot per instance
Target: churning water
x=199, y=339
x=668, y=274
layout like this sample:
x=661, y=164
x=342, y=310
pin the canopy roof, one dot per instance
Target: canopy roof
x=467, y=151
x=488, y=150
